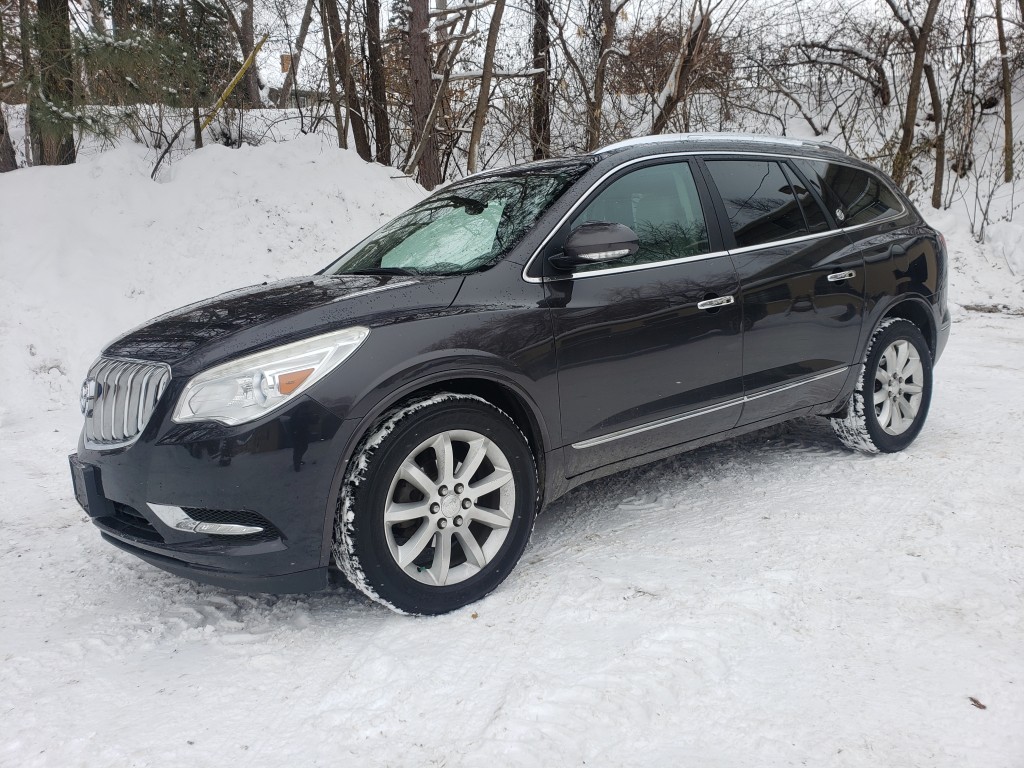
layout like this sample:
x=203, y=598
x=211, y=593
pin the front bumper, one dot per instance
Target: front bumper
x=277, y=475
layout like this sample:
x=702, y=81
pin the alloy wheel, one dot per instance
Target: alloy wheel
x=899, y=385
x=449, y=507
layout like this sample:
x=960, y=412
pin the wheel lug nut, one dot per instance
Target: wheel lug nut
x=442, y=523
x=435, y=508
x=467, y=503
x=459, y=488
x=442, y=491
x=458, y=520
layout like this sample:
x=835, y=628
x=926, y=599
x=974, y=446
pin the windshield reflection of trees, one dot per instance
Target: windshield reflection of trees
x=454, y=247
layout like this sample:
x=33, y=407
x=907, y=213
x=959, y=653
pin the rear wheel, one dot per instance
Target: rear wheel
x=437, y=506
x=888, y=408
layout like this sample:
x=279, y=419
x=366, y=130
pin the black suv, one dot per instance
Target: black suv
x=405, y=413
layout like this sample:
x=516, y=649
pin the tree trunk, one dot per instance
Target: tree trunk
x=378, y=90
x=120, y=12
x=608, y=19
x=540, y=92
x=293, y=69
x=484, y=94
x=33, y=141
x=422, y=92
x=345, y=78
x=332, y=81
x=197, y=127
x=919, y=37
x=675, y=88
x=8, y=160
x=448, y=56
x=57, y=83
x=246, y=43
x=96, y=13
x=1004, y=58
x=940, y=136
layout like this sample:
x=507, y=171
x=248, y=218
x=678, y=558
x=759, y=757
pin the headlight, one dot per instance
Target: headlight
x=253, y=386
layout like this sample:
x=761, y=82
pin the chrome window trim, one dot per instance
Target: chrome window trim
x=699, y=257
x=787, y=241
x=669, y=420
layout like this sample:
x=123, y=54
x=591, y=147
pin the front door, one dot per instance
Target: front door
x=644, y=360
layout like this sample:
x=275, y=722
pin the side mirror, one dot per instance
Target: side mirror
x=595, y=242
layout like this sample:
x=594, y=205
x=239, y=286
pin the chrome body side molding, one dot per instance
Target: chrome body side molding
x=639, y=429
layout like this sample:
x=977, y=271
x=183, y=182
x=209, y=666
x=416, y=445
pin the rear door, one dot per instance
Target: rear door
x=644, y=362
x=802, y=285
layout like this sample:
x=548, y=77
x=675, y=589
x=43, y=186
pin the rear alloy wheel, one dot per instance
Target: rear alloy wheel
x=439, y=505
x=889, y=406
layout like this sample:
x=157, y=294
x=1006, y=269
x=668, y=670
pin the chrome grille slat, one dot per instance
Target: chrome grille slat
x=110, y=434
x=140, y=400
x=127, y=401
x=143, y=389
x=128, y=392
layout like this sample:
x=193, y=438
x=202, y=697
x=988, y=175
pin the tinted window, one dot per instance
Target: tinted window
x=464, y=227
x=855, y=196
x=809, y=206
x=660, y=203
x=759, y=201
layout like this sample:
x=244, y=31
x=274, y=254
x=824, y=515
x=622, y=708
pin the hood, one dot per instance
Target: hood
x=248, y=319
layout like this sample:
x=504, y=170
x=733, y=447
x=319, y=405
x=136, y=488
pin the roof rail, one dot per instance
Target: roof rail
x=749, y=138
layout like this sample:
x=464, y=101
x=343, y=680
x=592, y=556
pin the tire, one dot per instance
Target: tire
x=413, y=530
x=889, y=406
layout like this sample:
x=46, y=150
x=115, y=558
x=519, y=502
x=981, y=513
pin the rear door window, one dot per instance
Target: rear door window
x=759, y=200
x=853, y=195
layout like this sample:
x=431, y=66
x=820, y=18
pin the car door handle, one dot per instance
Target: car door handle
x=720, y=301
x=837, y=277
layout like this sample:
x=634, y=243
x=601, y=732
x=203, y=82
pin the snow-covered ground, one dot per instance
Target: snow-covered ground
x=770, y=601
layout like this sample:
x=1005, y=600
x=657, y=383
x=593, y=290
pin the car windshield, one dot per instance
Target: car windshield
x=463, y=228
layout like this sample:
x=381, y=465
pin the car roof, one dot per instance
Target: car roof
x=719, y=142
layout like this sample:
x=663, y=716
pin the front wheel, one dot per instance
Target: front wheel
x=437, y=505
x=888, y=408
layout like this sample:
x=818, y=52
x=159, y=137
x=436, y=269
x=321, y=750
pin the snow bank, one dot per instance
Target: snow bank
x=95, y=248
x=987, y=274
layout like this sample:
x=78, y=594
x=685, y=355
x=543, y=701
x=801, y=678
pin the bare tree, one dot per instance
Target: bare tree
x=540, y=90
x=57, y=84
x=245, y=35
x=332, y=81
x=296, y=56
x=483, y=95
x=690, y=48
x=601, y=20
x=343, y=69
x=919, y=35
x=422, y=94
x=1004, y=64
x=8, y=160
x=377, y=82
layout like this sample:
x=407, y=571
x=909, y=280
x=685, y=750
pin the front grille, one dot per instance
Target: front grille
x=121, y=402
x=206, y=515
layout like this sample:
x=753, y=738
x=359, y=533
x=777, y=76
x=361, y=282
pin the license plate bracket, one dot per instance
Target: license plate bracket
x=88, y=491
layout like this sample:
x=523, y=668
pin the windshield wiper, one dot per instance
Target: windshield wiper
x=381, y=271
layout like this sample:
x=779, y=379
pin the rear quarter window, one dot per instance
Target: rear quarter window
x=854, y=195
